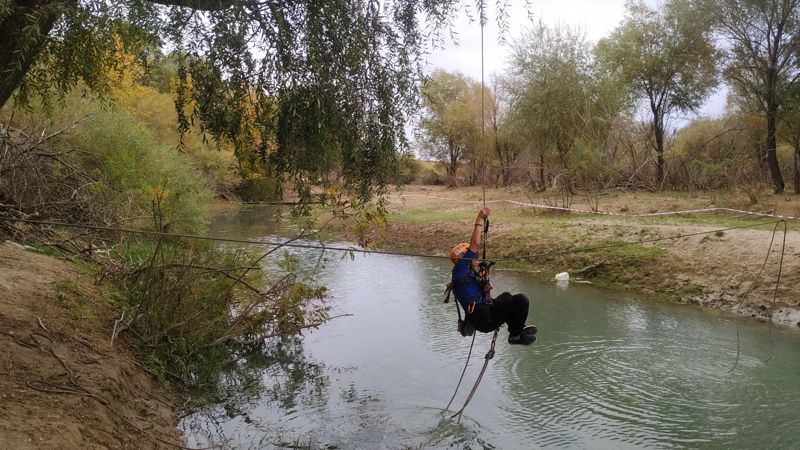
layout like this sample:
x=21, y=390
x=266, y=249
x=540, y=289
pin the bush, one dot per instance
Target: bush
x=156, y=110
x=718, y=154
x=193, y=307
x=135, y=170
x=430, y=176
x=101, y=166
x=258, y=187
x=408, y=168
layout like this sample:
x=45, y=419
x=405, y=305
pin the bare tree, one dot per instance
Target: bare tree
x=763, y=39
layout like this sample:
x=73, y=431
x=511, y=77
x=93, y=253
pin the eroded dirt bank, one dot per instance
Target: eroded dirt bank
x=62, y=382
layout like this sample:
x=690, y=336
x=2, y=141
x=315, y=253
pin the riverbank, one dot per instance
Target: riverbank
x=707, y=267
x=64, y=383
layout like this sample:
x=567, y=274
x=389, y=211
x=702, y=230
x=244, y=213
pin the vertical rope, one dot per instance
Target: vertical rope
x=461, y=378
x=483, y=120
x=489, y=355
x=753, y=285
x=483, y=136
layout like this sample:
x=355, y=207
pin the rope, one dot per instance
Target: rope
x=753, y=285
x=489, y=355
x=461, y=378
x=770, y=215
x=378, y=252
x=483, y=119
x=775, y=293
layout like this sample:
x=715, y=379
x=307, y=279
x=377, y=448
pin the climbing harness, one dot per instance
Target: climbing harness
x=464, y=327
x=484, y=290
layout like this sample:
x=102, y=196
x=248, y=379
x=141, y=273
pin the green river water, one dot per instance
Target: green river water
x=609, y=370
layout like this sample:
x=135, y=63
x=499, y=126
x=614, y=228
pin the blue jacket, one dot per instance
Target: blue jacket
x=465, y=284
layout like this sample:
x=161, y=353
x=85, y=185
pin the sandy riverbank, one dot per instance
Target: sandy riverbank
x=63, y=383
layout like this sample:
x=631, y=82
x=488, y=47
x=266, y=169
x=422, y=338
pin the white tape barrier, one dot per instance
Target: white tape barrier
x=604, y=213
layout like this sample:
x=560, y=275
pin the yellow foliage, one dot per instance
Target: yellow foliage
x=253, y=176
x=157, y=110
x=157, y=194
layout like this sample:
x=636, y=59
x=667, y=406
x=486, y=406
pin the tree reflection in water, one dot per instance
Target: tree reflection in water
x=276, y=371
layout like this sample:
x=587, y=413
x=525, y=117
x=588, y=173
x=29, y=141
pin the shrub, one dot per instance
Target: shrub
x=256, y=186
x=135, y=170
x=194, y=308
x=409, y=168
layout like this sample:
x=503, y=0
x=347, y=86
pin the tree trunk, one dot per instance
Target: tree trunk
x=772, y=154
x=562, y=154
x=499, y=150
x=452, y=163
x=797, y=169
x=18, y=48
x=658, y=131
x=542, y=181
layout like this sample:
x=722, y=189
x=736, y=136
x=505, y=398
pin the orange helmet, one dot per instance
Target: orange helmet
x=458, y=252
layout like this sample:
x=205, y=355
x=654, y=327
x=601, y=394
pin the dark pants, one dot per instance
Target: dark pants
x=506, y=308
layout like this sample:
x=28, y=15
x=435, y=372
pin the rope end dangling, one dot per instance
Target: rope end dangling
x=490, y=353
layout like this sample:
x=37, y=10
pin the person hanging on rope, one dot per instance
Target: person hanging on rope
x=472, y=289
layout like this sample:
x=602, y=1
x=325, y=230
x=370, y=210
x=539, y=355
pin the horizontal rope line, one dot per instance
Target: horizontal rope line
x=366, y=251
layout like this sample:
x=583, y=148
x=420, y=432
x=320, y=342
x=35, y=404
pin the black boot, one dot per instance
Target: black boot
x=522, y=339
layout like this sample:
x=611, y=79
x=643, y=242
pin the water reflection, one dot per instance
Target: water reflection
x=277, y=372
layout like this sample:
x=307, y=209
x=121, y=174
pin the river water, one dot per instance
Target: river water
x=609, y=370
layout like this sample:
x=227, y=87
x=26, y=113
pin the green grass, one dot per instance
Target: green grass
x=691, y=289
x=71, y=295
x=44, y=250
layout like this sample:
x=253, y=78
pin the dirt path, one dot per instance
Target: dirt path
x=711, y=270
x=62, y=383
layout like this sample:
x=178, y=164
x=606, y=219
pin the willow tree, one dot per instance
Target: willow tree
x=668, y=58
x=763, y=60
x=300, y=84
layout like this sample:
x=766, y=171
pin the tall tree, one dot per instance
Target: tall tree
x=315, y=80
x=506, y=143
x=550, y=86
x=667, y=56
x=763, y=59
x=449, y=129
x=789, y=128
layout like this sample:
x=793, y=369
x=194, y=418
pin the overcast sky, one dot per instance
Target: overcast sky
x=597, y=18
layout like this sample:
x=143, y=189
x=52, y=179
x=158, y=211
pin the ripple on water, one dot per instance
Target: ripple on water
x=621, y=390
